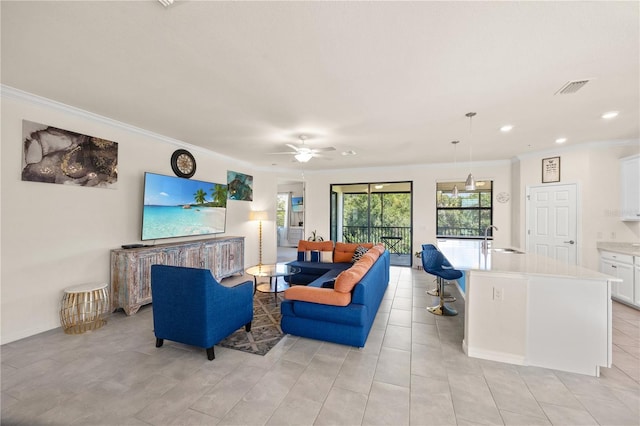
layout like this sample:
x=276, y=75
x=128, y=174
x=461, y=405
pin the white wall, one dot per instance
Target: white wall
x=424, y=180
x=596, y=171
x=54, y=236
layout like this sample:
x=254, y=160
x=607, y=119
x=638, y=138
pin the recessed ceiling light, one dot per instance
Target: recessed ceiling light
x=506, y=128
x=609, y=115
x=561, y=140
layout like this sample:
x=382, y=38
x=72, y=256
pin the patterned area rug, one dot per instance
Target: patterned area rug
x=265, y=328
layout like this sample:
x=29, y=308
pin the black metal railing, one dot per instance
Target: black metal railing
x=396, y=238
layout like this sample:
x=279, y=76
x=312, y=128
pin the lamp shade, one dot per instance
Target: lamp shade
x=258, y=215
x=470, y=184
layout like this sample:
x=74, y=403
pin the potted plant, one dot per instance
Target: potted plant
x=315, y=237
x=418, y=255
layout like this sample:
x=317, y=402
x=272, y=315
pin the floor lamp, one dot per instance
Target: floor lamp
x=259, y=215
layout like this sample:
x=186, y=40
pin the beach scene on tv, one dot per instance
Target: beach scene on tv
x=177, y=207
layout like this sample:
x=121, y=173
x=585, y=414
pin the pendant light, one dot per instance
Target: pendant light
x=455, y=166
x=470, y=183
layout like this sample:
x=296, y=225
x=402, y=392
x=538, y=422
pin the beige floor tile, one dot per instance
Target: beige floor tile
x=411, y=371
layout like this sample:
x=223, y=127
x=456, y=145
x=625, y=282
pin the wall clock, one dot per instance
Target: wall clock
x=183, y=163
x=502, y=197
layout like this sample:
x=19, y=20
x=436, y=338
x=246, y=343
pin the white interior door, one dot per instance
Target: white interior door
x=552, y=222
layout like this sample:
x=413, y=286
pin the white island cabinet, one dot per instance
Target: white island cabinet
x=528, y=309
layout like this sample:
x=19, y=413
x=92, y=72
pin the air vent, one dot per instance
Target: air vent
x=571, y=87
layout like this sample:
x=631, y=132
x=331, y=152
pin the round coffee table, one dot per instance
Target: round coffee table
x=273, y=271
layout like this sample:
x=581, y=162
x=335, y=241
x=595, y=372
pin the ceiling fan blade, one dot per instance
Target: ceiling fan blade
x=325, y=149
x=321, y=157
x=295, y=148
x=285, y=152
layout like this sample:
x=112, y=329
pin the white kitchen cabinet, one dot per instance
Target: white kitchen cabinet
x=295, y=235
x=630, y=188
x=620, y=266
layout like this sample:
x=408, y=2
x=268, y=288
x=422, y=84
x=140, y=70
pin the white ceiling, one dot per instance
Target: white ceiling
x=389, y=80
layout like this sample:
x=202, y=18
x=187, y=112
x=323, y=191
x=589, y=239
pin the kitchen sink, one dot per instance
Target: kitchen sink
x=507, y=250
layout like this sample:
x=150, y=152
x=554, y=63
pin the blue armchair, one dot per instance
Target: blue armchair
x=191, y=307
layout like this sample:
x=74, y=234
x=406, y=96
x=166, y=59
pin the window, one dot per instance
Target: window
x=281, y=209
x=464, y=216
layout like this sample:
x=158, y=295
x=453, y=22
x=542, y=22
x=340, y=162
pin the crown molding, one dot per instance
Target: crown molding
x=21, y=95
x=577, y=147
x=12, y=92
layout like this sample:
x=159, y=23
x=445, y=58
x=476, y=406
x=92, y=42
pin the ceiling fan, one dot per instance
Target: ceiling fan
x=303, y=153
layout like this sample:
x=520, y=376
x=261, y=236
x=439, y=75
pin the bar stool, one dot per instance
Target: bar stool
x=434, y=263
x=436, y=291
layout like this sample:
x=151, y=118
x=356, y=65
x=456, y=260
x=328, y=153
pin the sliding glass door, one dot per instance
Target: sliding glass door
x=374, y=212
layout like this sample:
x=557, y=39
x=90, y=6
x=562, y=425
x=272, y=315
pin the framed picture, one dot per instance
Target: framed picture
x=239, y=186
x=551, y=169
x=297, y=204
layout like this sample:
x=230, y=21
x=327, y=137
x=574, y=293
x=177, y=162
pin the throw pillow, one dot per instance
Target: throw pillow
x=326, y=256
x=329, y=283
x=360, y=251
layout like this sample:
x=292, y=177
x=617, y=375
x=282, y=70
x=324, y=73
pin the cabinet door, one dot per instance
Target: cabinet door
x=209, y=258
x=608, y=267
x=629, y=194
x=625, y=288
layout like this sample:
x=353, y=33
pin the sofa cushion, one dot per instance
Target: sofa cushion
x=344, y=251
x=347, y=280
x=379, y=248
x=373, y=253
x=366, y=259
x=315, y=251
x=325, y=296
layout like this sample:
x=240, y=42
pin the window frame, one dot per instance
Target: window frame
x=479, y=209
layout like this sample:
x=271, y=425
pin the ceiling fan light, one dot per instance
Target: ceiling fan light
x=470, y=183
x=303, y=157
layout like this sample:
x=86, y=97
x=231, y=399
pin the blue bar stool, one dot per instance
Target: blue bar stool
x=436, y=291
x=434, y=263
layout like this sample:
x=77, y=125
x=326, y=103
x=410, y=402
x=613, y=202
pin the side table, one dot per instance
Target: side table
x=273, y=271
x=84, y=307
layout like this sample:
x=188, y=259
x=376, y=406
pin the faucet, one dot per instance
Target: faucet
x=485, y=243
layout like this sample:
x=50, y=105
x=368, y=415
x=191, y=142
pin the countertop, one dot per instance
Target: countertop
x=632, y=249
x=471, y=258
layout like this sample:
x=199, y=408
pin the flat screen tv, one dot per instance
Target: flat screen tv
x=177, y=207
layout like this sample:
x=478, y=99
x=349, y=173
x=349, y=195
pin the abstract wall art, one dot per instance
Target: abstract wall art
x=239, y=186
x=54, y=155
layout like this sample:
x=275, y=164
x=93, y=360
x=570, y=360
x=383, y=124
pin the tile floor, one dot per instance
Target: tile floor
x=411, y=371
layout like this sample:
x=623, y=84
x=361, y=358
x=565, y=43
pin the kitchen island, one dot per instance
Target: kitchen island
x=527, y=309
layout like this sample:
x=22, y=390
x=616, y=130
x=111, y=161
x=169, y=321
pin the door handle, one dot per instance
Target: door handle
x=569, y=242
